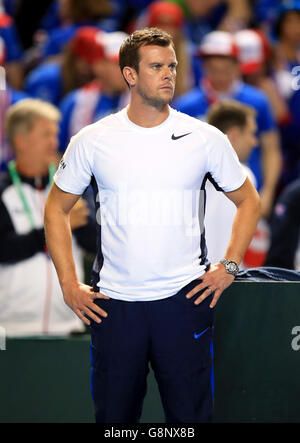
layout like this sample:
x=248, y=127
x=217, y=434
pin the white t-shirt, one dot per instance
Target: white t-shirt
x=149, y=198
x=219, y=216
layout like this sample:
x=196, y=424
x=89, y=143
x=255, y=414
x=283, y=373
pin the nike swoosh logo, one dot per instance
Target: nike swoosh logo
x=174, y=137
x=201, y=333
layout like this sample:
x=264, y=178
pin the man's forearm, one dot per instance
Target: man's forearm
x=78, y=296
x=59, y=242
x=245, y=221
x=243, y=229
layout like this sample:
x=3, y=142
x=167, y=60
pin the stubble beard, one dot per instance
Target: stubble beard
x=154, y=101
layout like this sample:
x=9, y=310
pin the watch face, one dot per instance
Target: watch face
x=231, y=267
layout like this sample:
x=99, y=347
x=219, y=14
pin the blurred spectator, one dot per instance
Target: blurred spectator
x=222, y=81
x=238, y=15
x=255, y=57
x=169, y=17
x=255, y=53
x=27, y=15
x=287, y=46
x=8, y=96
x=74, y=14
x=287, y=74
x=205, y=16
x=58, y=14
x=52, y=81
x=265, y=13
x=287, y=32
x=14, y=50
x=107, y=94
x=31, y=300
x=284, y=250
x=238, y=122
x=58, y=20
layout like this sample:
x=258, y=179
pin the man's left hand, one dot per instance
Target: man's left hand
x=215, y=280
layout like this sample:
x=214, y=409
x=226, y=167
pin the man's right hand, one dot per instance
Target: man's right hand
x=80, y=298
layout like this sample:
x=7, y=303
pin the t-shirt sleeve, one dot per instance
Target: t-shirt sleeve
x=75, y=169
x=223, y=164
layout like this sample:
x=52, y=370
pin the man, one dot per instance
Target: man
x=259, y=68
x=221, y=81
x=14, y=51
x=29, y=290
x=148, y=163
x=284, y=250
x=203, y=16
x=52, y=80
x=8, y=96
x=238, y=122
x=286, y=64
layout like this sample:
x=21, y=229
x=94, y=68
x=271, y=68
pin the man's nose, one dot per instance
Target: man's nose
x=168, y=73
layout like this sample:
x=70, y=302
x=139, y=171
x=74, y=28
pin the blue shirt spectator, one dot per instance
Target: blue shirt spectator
x=8, y=33
x=85, y=106
x=45, y=82
x=197, y=101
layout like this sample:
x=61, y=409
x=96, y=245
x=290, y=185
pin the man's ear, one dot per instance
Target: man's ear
x=233, y=134
x=130, y=75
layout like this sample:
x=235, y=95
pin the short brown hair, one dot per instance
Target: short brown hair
x=129, y=50
x=228, y=114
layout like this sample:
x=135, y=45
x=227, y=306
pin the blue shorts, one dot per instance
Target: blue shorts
x=175, y=336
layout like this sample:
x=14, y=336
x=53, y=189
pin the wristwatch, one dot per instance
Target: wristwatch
x=230, y=266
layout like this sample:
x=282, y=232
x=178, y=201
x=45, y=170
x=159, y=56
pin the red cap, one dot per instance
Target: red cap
x=254, y=50
x=87, y=44
x=92, y=44
x=219, y=43
x=164, y=13
x=2, y=51
x=5, y=20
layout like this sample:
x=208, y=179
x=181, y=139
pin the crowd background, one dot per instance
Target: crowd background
x=65, y=52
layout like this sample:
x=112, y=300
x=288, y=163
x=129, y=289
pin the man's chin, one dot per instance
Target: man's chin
x=168, y=94
x=159, y=102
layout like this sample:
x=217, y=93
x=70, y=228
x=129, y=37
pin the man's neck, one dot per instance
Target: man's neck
x=145, y=115
x=31, y=170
